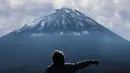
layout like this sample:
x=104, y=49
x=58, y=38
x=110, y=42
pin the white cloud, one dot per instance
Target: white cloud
x=41, y=1
x=62, y=3
x=15, y=3
x=58, y=3
x=1, y=26
x=2, y=20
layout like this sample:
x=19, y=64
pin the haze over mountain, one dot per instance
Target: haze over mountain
x=29, y=49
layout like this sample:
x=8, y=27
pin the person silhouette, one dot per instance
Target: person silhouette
x=59, y=65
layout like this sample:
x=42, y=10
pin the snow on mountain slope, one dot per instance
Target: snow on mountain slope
x=64, y=20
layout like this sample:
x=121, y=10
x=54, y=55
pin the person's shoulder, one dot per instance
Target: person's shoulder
x=49, y=67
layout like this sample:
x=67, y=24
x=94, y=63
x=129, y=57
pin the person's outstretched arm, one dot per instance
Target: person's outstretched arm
x=84, y=64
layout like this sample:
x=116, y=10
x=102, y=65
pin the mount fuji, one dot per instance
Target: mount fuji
x=28, y=49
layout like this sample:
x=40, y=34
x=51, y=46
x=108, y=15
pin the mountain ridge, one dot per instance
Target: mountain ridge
x=64, y=21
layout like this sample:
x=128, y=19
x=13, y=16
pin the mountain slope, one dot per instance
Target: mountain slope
x=66, y=21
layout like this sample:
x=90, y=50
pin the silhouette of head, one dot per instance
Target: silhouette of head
x=58, y=58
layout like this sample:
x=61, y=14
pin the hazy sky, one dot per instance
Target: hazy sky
x=113, y=14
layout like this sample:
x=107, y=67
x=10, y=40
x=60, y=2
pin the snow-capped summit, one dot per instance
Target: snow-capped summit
x=64, y=20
